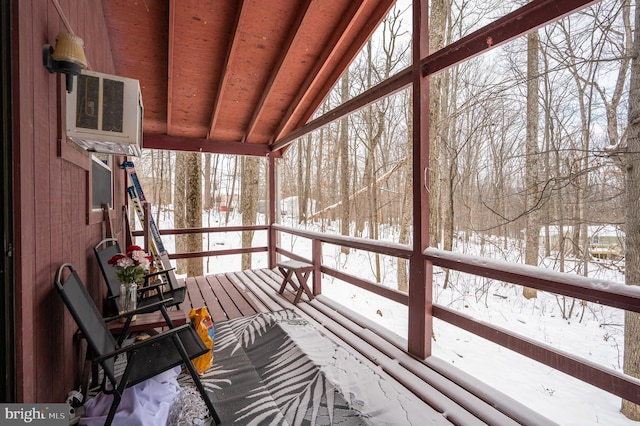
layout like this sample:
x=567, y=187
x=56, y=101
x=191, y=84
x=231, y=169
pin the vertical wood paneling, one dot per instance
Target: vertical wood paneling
x=52, y=216
x=24, y=202
x=51, y=200
x=57, y=242
x=42, y=313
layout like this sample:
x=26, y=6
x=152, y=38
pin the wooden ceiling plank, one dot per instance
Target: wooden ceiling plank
x=138, y=34
x=170, y=54
x=201, y=31
x=302, y=12
x=224, y=79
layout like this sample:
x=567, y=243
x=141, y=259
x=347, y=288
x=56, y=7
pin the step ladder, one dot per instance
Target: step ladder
x=137, y=199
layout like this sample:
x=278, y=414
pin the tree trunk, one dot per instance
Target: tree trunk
x=188, y=209
x=231, y=193
x=249, y=202
x=407, y=204
x=437, y=25
x=194, y=211
x=179, y=207
x=303, y=203
x=532, y=233
x=632, y=273
x=345, y=217
x=207, y=203
x=321, y=178
x=300, y=180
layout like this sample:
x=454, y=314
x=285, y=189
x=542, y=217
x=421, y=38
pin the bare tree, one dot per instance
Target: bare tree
x=532, y=233
x=304, y=177
x=231, y=191
x=632, y=273
x=209, y=177
x=345, y=216
x=438, y=17
x=249, y=202
x=407, y=204
x=188, y=209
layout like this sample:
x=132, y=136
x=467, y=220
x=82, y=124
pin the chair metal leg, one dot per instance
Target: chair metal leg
x=196, y=379
x=118, y=391
x=114, y=407
x=165, y=314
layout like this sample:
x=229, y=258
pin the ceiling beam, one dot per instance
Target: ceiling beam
x=181, y=143
x=224, y=76
x=364, y=34
x=170, y=50
x=324, y=61
x=295, y=27
x=385, y=88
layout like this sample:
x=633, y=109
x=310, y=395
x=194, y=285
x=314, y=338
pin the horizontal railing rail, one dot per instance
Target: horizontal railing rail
x=194, y=254
x=609, y=293
x=604, y=292
x=381, y=247
x=204, y=230
x=385, y=248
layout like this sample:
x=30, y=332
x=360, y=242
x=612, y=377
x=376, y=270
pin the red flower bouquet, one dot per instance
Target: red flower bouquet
x=132, y=266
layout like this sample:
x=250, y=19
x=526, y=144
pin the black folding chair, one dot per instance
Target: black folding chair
x=148, y=293
x=144, y=359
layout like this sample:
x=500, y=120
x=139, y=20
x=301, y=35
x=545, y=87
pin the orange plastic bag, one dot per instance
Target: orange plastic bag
x=203, y=324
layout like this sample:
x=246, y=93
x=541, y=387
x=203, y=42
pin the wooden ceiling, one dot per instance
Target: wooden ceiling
x=234, y=76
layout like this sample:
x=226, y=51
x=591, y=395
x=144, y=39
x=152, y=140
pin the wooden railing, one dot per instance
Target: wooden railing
x=588, y=289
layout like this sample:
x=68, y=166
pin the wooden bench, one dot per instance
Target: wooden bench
x=302, y=271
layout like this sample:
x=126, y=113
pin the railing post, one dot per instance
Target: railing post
x=420, y=271
x=272, y=241
x=316, y=259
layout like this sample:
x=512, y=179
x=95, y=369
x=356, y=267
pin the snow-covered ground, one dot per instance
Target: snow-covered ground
x=593, y=331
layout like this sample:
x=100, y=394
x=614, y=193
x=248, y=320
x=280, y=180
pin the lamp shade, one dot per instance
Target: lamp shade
x=69, y=48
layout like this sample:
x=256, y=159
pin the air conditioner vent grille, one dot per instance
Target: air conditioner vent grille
x=105, y=113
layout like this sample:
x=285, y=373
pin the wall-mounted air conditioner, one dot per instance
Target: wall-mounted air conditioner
x=104, y=114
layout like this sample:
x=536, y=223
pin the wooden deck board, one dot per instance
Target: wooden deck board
x=216, y=310
x=263, y=297
x=227, y=302
x=248, y=292
x=195, y=295
x=237, y=296
x=251, y=297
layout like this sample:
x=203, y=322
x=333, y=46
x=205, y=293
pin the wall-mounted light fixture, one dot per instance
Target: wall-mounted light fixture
x=67, y=57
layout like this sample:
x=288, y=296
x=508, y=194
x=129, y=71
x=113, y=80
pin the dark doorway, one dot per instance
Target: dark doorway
x=7, y=356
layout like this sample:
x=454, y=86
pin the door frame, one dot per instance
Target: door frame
x=7, y=319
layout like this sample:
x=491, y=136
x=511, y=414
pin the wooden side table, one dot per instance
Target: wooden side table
x=302, y=271
x=144, y=322
x=150, y=321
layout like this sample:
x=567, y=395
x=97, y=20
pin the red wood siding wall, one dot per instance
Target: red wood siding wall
x=51, y=197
